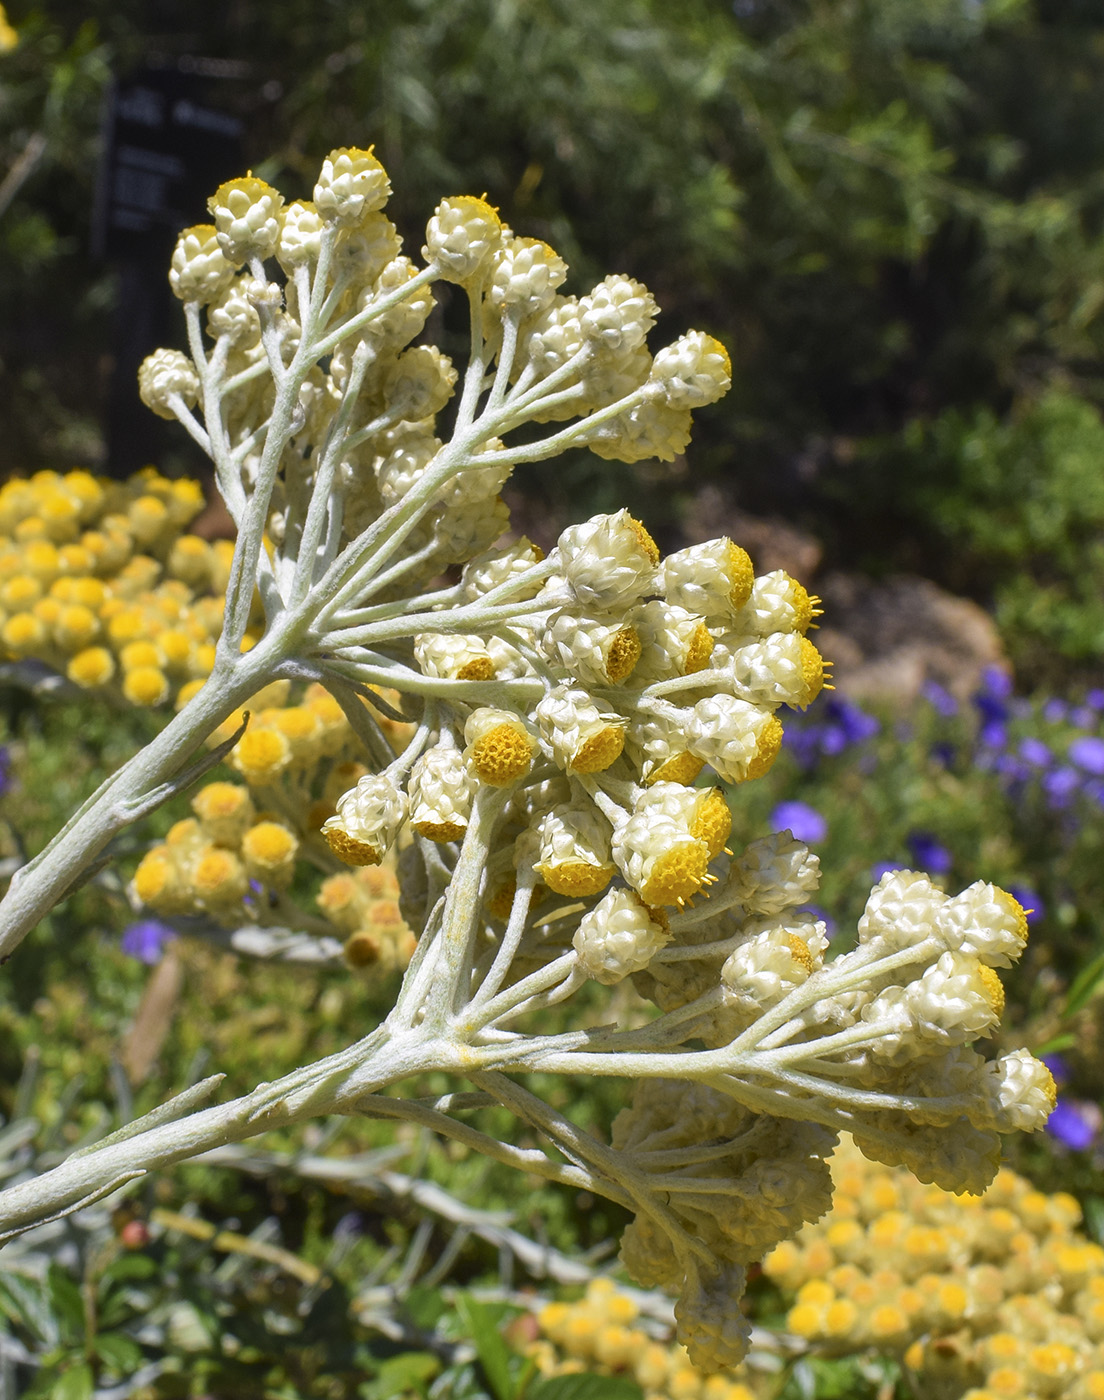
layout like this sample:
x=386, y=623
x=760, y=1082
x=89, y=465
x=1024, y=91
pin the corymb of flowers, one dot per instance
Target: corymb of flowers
x=545, y=742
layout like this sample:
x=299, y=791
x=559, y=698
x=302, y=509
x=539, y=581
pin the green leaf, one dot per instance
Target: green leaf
x=1065, y=1040
x=67, y=1303
x=424, y=1307
x=118, y=1351
x=77, y=1383
x=585, y=1385
x=482, y=1327
x=1084, y=985
x=23, y=1300
x=128, y=1268
x=412, y=1370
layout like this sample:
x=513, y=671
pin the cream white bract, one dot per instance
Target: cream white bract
x=558, y=709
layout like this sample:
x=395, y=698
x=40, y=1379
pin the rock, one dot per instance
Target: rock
x=887, y=637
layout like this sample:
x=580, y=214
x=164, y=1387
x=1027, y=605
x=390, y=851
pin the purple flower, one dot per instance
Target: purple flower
x=833, y=740
x=1035, y=752
x=146, y=939
x=940, y=699
x=884, y=867
x=1057, y=1065
x=1030, y=901
x=5, y=769
x=1055, y=711
x=1088, y=753
x=993, y=734
x=855, y=724
x=1095, y=699
x=928, y=853
x=1074, y=1123
x=804, y=822
x=996, y=682
x=1060, y=786
x=1083, y=717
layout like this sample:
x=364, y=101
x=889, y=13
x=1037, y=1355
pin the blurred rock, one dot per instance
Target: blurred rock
x=887, y=637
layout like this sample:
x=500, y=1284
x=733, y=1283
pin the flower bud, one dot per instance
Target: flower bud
x=713, y=580
x=500, y=748
x=247, y=214
x=166, y=374
x=608, y=561
x=692, y=372
x=368, y=820
x=351, y=185
x=199, y=270
x=619, y=936
x=461, y=236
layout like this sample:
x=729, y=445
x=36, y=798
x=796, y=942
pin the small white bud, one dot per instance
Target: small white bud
x=608, y=561
x=351, y=184
x=164, y=374
x=713, y=579
x=461, y=236
x=199, y=270
x=247, y=214
x=619, y=936
x=368, y=820
x=693, y=371
x=617, y=315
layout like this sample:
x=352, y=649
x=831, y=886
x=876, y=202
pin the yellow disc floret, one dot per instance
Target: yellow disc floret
x=146, y=685
x=647, y=544
x=712, y=822
x=91, y=667
x=767, y=748
x=699, y=649
x=501, y=755
x=597, y=753
x=624, y=653
x=677, y=874
x=812, y=673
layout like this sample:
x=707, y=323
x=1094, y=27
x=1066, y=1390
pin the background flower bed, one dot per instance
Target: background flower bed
x=961, y=789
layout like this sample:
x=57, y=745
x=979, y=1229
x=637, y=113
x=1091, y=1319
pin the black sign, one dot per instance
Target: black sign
x=165, y=150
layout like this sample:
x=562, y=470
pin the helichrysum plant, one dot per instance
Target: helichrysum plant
x=562, y=711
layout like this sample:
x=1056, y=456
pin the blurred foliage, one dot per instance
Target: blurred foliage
x=889, y=209
x=1012, y=509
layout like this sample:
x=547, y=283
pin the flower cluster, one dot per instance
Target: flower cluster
x=543, y=795
x=238, y=858
x=981, y=1297
x=98, y=580
x=602, y=1329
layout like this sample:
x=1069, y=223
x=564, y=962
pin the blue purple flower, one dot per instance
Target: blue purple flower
x=1095, y=699
x=146, y=939
x=940, y=699
x=1035, y=752
x=1087, y=751
x=1054, y=711
x=928, y=853
x=1074, y=1123
x=1060, y=785
x=804, y=822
